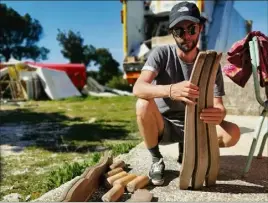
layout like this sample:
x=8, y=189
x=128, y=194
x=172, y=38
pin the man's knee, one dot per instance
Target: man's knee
x=229, y=134
x=143, y=106
x=235, y=134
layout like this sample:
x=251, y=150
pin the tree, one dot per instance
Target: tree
x=108, y=67
x=19, y=35
x=74, y=49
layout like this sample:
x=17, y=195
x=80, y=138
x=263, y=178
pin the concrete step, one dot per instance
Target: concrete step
x=230, y=185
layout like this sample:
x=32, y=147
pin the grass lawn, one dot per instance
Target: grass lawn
x=47, y=143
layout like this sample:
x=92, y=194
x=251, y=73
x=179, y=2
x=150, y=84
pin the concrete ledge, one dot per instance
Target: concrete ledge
x=241, y=101
x=230, y=185
x=56, y=195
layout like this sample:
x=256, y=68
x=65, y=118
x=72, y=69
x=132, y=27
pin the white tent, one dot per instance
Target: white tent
x=56, y=84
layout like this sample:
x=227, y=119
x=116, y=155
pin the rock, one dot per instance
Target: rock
x=92, y=120
x=28, y=198
x=13, y=197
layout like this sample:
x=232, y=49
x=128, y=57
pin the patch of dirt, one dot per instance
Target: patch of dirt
x=15, y=137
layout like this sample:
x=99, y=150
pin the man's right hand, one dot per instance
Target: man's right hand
x=184, y=91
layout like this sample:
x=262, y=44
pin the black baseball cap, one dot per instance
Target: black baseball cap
x=185, y=11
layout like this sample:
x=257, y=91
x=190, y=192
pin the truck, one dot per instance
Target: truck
x=145, y=26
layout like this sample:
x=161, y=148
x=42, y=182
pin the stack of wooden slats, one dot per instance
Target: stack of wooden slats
x=201, y=151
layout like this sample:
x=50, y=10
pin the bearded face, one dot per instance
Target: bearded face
x=186, y=34
x=186, y=46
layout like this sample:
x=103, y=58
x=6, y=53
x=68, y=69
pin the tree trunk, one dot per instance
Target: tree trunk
x=7, y=54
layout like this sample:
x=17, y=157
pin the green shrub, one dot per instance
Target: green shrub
x=65, y=173
x=69, y=171
x=121, y=148
x=96, y=157
x=118, y=82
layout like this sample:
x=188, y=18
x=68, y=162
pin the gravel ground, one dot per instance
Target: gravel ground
x=230, y=186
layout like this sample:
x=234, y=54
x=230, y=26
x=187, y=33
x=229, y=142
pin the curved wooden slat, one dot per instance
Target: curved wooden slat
x=189, y=130
x=213, y=145
x=201, y=161
x=83, y=189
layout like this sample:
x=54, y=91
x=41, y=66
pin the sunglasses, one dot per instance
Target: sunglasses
x=180, y=32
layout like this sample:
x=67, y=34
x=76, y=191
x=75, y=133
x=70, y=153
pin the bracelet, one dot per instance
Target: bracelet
x=170, y=92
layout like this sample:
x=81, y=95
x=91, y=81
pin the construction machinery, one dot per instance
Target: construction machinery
x=145, y=26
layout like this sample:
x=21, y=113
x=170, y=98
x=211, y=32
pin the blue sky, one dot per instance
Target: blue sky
x=99, y=22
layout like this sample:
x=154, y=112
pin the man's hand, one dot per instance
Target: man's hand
x=184, y=91
x=212, y=115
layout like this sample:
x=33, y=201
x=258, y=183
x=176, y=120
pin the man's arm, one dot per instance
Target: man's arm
x=182, y=91
x=144, y=89
x=217, y=113
x=218, y=103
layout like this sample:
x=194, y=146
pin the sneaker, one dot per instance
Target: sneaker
x=156, y=173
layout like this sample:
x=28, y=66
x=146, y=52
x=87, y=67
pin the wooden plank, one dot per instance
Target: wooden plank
x=125, y=180
x=110, y=180
x=189, y=130
x=113, y=172
x=83, y=189
x=113, y=194
x=118, y=164
x=4, y=81
x=13, y=89
x=201, y=161
x=213, y=145
x=20, y=91
x=138, y=183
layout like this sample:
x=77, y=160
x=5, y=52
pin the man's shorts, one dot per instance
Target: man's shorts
x=173, y=131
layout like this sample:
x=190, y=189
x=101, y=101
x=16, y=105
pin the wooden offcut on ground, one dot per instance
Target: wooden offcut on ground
x=116, y=180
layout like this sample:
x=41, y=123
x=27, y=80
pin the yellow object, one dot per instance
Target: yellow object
x=15, y=70
x=200, y=5
x=158, y=5
x=125, y=42
x=13, y=74
x=17, y=89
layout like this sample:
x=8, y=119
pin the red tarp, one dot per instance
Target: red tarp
x=76, y=72
x=239, y=68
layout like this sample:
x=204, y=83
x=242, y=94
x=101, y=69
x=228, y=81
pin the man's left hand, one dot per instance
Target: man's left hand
x=212, y=115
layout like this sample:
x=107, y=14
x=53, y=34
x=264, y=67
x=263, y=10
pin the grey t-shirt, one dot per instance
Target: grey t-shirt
x=170, y=69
